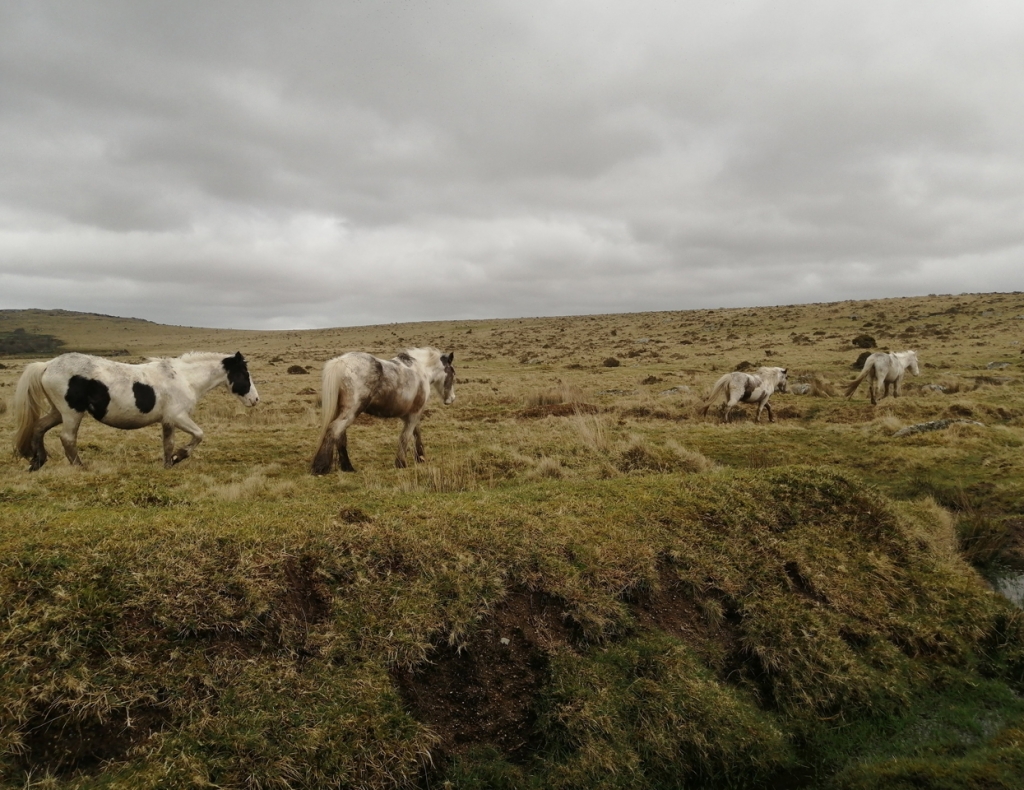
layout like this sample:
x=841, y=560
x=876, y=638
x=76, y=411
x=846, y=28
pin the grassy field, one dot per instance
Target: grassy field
x=586, y=585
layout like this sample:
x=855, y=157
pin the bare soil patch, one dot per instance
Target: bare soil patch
x=484, y=693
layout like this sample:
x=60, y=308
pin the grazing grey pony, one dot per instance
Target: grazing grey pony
x=738, y=387
x=65, y=389
x=358, y=382
x=883, y=370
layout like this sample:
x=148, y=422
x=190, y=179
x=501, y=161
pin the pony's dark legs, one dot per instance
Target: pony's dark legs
x=323, y=459
x=335, y=439
x=420, y=455
x=47, y=422
x=343, y=460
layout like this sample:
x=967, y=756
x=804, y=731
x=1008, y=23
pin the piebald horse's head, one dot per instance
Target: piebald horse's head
x=239, y=381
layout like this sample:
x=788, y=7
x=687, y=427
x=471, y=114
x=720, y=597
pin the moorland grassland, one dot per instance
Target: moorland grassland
x=586, y=584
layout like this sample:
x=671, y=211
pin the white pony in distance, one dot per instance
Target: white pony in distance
x=739, y=387
x=883, y=370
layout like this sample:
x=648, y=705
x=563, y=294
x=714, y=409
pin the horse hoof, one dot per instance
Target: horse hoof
x=178, y=457
x=400, y=464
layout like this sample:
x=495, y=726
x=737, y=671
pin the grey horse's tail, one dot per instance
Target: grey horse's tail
x=721, y=384
x=28, y=404
x=330, y=402
x=852, y=386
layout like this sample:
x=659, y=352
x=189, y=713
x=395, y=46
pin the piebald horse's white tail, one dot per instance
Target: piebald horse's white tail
x=29, y=404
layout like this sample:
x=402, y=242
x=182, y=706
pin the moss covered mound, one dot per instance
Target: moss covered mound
x=718, y=629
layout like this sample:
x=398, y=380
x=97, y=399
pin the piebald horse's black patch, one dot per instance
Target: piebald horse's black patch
x=88, y=395
x=405, y=359
x=145, y=397
x=238, y=374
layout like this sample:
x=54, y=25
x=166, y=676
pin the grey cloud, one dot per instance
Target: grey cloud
x=265, y=164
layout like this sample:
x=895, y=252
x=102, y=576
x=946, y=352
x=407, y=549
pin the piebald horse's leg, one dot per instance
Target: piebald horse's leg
x=47, y=422
x=69, y=437
x=168, y=431
x=185, y=423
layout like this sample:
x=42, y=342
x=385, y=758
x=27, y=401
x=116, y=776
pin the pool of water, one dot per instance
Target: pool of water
x=1011, y=586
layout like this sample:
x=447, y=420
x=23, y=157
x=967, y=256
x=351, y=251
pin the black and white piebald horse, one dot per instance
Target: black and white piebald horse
x=166, y=390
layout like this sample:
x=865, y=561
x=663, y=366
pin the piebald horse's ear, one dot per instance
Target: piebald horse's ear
x=239, y=357
x=448, y=358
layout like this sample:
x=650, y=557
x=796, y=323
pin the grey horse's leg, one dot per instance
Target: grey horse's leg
x=343, y=460
x=403, y=441
x=768, y=408
x=69, y=438
x=48, y=421
x=421, y=456
x=334, y=440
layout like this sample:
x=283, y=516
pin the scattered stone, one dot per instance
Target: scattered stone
x=616, y=392
x=800, y=389
x=933, y=388
x=934, y=425
x=997, y=365
x=682, y=388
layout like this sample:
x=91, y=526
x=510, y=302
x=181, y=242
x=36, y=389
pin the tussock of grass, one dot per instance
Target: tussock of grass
x=562, y=393
x=592, y=431
x=821, y=387
x=640, y=456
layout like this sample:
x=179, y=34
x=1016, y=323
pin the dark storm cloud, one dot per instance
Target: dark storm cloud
x=264, y=164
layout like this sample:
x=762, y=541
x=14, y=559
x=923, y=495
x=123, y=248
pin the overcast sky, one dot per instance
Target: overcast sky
x=304, y=164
